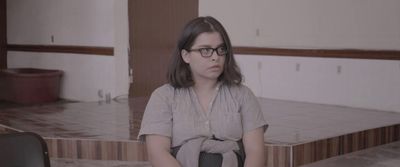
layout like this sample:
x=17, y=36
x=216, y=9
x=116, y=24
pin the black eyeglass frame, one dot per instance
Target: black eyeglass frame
x=207, y=50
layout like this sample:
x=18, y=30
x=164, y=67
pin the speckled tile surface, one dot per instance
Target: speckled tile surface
x=299, y=133
x=290, y=122
x=117, y=120
x=299, y=122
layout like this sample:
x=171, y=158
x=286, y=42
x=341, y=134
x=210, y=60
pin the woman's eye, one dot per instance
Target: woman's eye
x=221, y=50
x=204, y=50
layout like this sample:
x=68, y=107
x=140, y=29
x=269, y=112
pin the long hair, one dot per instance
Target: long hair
x=179, y=74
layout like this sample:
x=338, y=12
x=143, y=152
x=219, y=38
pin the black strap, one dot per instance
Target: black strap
x=215, y=159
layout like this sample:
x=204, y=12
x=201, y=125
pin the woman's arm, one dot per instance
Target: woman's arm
x=158, y=150
x=253, y=142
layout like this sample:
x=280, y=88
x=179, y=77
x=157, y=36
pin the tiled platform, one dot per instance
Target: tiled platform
x=299, y=133
x=382, y=156
x=302, y=133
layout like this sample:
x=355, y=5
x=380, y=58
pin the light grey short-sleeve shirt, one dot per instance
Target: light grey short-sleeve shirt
x=177, y=113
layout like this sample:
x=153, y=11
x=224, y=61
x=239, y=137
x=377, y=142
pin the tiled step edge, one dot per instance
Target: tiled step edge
x=330, y=147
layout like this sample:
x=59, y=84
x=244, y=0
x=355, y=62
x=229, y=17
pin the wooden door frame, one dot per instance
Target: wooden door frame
x=3, y=34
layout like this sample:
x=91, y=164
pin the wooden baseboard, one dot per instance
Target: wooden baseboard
x=327, y=53
x=92, y=50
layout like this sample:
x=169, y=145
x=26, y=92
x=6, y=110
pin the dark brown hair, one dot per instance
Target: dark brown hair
x=179, y=74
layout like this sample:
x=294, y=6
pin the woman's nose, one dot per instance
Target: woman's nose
x=214, y=56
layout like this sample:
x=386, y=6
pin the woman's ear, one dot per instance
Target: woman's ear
x=185, y=56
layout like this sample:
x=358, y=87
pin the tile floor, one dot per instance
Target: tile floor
x=290, y=122
x=117, y=120
x=298, y=122
x=382, y=156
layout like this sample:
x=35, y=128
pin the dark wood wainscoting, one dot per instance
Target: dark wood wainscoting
x=345, y=53
x=93, y=50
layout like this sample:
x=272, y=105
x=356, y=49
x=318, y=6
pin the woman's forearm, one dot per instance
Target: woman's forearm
x=158, y=150
x=253, y=142
x=163, y=159
x=254, y=160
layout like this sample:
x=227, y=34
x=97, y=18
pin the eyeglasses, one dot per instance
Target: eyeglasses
x=208, y=52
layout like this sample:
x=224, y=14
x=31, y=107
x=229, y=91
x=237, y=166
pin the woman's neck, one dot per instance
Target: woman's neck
x=205, y=85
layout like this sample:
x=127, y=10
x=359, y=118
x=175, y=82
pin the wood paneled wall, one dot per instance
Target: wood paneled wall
x=3, y=34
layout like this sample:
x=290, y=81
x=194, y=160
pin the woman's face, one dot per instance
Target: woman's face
x=203, y=67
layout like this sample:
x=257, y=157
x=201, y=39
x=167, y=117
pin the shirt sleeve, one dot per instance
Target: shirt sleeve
x=157, y=118
x=252, y=116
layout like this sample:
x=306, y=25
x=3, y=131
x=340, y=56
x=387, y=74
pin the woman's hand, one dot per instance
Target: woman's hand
x=158, y=151
x=253, y=142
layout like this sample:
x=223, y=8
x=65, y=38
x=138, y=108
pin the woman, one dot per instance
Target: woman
x=204, y=116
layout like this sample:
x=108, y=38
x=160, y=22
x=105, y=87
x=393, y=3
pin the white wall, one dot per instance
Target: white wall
x=326, y=24
x=373, y=84
x=73, y=22
x=121, y=45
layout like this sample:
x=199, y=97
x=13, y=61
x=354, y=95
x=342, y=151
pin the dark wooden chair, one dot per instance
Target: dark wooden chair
x=23, y=149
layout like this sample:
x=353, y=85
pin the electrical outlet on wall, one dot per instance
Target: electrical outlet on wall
x=339, y=69
x=130, y=75
x=259, y=65
x=297, y=67
x=257, y=32
x=100, y=94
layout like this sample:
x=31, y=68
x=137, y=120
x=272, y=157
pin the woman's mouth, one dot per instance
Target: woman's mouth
x=215, y=67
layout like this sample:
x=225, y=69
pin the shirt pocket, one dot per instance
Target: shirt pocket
x=183, y=120
x=232, y=128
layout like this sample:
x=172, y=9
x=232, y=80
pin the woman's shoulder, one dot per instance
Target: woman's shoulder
x=171, y=91
x=239, y=92
x=165, y=89
x=238, y=89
